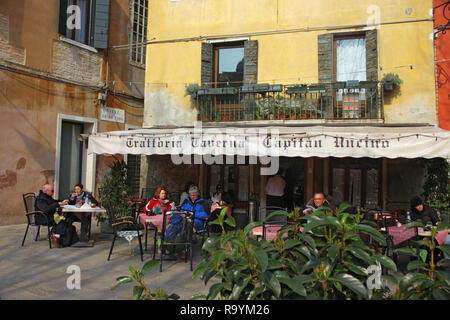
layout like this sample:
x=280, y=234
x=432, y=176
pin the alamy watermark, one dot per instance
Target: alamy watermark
x=74, y=280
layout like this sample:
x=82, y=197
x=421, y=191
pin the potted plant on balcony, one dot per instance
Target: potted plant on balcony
x=391, y=81
x=191, y=90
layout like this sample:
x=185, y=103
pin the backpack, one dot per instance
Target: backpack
x=67, y=234
x=176, y=228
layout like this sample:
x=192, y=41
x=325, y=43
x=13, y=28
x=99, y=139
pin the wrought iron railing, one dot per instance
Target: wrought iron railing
x=339, y=100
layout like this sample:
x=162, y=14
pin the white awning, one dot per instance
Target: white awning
x=288, y=141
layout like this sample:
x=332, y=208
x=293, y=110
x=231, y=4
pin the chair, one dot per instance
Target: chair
x=29, y=200
x=185, y=239
x=125, y=227
x=273, y=222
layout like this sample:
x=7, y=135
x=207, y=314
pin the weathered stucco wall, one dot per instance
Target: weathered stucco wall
x=30, y=101
x=292, y=57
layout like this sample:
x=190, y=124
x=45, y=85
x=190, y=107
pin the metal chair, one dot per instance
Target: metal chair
x=29, y=200
x=126, y=227
x=183, y=239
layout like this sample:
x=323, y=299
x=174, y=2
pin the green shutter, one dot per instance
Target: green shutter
x=62, y=23
x=326, y=59
x=100, y=25
x=371, y=55
x=207, y=65
x=250, y=62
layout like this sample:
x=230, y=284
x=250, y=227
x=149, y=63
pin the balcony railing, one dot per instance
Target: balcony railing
x=333, y=101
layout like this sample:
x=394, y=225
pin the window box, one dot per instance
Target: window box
x=296, y=89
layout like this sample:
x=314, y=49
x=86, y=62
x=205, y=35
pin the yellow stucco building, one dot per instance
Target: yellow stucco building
x=294, y=63
x=287, y=34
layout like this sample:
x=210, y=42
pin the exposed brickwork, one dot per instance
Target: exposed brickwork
x=77, y=64
x=7, y=51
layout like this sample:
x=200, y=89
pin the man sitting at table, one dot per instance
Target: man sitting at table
x=192, y=204
x=45, y=203
x=423, y=213
x=80, y=196
x=318, y=200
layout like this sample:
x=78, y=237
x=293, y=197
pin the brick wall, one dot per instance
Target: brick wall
x=7, y=51
x=77, y=64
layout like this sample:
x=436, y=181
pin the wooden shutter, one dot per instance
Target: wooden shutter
x=371, y=55
x=207, y=65
x=62, y=23
x=100, y=24
x=326, y=59
x=250, y=62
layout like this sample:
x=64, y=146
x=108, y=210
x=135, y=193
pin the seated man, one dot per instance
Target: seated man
x=197, y=204
x=423, y=213
x=46, y=204
x=80, y=196
x=319, y=200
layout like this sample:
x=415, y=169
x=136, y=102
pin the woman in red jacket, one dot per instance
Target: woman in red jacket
x=159, y=201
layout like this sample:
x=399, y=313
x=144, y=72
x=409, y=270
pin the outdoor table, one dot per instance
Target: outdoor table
x=399, y=235
x=156, y=220
x=271, y=231
x=82, y=213
x=440, y=236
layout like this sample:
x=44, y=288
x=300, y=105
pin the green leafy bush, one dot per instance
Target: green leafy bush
x=141, y=291
x=328, y=260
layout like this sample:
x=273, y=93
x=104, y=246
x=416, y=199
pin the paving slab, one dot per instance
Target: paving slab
x=35, y=272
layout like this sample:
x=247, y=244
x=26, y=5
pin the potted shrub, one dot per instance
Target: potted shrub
x=191, y=90
x=391, y=81
x=115, y=190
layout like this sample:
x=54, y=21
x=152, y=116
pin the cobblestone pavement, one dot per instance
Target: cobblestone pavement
x=35, y=272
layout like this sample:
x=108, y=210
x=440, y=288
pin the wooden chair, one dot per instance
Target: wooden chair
x=29, y=200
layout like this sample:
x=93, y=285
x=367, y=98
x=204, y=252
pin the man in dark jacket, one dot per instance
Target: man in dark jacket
x=319, y=200
x=46, y=204
x=423, y=213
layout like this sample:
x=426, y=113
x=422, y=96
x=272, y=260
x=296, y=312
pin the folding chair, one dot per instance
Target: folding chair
x=29, y=200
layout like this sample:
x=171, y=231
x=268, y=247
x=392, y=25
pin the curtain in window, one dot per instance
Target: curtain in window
x=351, y=65
x=351, y=59
x=80, y=35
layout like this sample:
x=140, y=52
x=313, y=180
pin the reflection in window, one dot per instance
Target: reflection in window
x=230, y=71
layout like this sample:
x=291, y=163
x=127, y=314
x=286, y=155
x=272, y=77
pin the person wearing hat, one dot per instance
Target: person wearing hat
x=423, y=213
x=221, y=197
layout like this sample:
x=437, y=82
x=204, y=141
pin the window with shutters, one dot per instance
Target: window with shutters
x=138, y=36
x=350, y=60
x=85, y=21
x=78, y=26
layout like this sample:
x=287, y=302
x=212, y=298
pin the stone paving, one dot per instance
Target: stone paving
x=35, y=272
